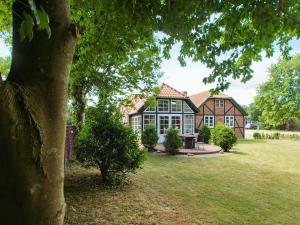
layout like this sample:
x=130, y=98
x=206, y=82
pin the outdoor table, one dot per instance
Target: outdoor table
x=189, y=141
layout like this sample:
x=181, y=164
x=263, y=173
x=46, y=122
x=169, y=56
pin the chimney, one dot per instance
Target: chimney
x=185, y=93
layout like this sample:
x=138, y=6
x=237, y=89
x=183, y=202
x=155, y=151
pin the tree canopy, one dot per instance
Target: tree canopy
x=278, y=99
x=4, y=65
x=225, y=35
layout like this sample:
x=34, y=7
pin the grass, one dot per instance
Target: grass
x=258, y=183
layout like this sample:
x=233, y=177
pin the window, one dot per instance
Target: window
x=176, y=121
x=188, y=124
x=136, y=123
x=163, y=124
x=219, y=103
x=176, y=106
x=150, y=109
x=186, y=107
x=229, y=121
x=163, y=105
x=209, y=121
x=149, y=119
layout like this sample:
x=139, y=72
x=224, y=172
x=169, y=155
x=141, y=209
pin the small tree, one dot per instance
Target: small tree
x=205, y=134
x=172, y=141
x=105, y=142
x=149, y=137
x=224, y=137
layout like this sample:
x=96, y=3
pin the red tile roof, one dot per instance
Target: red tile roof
x=201, y=97
x=167, y=91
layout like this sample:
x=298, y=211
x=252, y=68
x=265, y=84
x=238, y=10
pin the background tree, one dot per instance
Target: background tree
x=4, y=65
x=254, y=112
x=279, y=97
x=227, y=36
x=113, y=59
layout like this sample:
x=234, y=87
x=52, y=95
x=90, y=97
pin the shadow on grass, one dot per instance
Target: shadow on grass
x=237, y=152
x=250, y=141
x=83, y=182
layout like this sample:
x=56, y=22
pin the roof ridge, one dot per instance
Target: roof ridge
x=207, y=91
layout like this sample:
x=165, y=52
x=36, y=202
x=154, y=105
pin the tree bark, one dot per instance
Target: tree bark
x=32, y=120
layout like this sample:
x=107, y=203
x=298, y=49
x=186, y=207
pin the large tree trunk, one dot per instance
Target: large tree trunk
x=32, y=120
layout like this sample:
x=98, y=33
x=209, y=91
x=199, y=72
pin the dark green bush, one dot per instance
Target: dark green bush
x=172, y=141
x=224, y=137
x=149, y=137
x=106, y=143
x=204, y=134
x=276, y=135
x=256, y=135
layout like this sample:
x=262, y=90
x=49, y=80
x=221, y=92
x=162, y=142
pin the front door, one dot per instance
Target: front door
x=165, y=122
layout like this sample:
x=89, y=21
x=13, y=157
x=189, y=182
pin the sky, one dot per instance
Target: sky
x=189, y=78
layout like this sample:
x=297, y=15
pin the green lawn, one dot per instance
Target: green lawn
x=258, y=183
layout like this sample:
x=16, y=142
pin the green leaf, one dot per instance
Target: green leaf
x=43, y=21
x=34, y=10
x=26, y=28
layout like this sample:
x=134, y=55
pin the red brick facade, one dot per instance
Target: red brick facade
x=230, y=108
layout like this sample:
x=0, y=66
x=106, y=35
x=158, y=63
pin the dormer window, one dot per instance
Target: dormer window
x=219, y=103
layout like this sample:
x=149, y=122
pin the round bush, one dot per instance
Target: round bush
x=172, y=141
x=256, y=135
x=204, y=134
x=106, y=143
x=224, y=137
x=149, y=137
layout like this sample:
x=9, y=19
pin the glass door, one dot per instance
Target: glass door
x=163, y=125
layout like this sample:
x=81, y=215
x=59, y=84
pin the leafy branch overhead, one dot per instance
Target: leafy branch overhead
x=37, y=18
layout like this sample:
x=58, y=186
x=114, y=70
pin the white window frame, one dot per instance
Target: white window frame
x=163, y=100
x=136, y=123
x=180, y=104
x=230, y=122
x=191, y=126
x=144, y=119
x=159, y=124
x=148, y=109
x=209, y=124
x=180, y=119
x=187, y=108
x=219, y=103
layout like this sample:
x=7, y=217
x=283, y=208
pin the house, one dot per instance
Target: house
x=172, y=108
x=219, y=109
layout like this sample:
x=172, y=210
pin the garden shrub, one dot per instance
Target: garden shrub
x=256, y=135
x=172, y=141
x=205, y=134
x=149, y=137
x=276, y=135
x=224, y=137
x=106, y=143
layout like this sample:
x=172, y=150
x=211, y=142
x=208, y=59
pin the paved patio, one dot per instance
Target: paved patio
x=203, y=149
